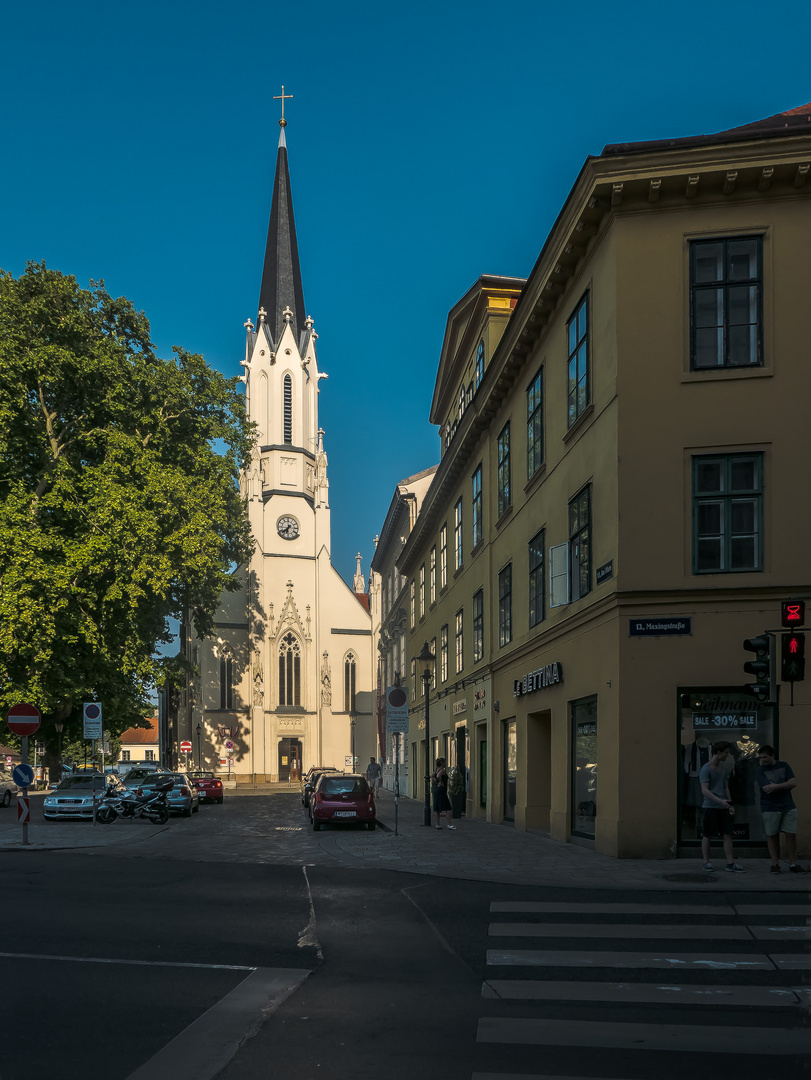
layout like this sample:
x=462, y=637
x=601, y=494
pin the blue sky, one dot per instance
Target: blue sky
x=428, y=143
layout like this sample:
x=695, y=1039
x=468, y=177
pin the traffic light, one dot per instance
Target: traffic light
x=792, y=658
x=762, y=667
x=792, y=613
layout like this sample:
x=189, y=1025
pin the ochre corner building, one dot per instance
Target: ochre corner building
x=622, y=498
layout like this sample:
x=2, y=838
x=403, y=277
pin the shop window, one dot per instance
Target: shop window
x=721, y=714
x=443, y=653
x=536, y=593
x=535, y=425
x=504, y=492
x=510, y=769
x=478, y=626
x=727, y=513
x=584, y=778
x=477, y=506
x=505, y=606
x=726, y=311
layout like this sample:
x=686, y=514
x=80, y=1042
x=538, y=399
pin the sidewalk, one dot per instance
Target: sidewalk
x=479, y=851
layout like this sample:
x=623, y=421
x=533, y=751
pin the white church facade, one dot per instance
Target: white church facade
x=286, y=680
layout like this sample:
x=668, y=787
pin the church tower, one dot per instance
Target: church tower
x=288, y=678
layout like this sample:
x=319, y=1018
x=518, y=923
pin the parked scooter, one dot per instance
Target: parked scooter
x=152, y=804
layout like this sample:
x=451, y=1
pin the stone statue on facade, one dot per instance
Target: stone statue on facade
x=326, y=682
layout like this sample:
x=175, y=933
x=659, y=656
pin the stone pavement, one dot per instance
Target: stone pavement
x=480, y=851
x=476, y=850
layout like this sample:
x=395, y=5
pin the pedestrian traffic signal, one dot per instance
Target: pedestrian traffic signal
x=762, y=667
x=792, y=658
x=792, y=613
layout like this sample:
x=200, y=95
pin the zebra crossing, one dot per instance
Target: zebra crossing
x=591, y=990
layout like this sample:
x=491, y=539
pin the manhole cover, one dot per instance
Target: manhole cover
x=689, y=878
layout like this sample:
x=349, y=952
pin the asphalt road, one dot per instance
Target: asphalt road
x=158, y=960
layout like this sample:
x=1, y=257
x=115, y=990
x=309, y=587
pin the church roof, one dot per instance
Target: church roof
x=281, y=275
x=792, y=122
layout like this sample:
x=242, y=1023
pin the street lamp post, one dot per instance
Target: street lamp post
x=427, y=658
x=199, y=754
x=352, y=737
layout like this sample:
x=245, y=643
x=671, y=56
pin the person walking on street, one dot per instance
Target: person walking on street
x=442, y=804
x=774, y=782
x=373, y=776
x=717, y=808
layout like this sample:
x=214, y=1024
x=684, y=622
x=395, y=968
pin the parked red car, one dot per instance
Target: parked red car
x=339, y=800
x=209, y=788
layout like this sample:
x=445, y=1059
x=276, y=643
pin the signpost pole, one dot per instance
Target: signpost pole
x=24, y=756
x=94, y=782
x=397, y=783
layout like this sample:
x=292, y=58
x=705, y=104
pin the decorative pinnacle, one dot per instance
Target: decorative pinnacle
x=262, y=314
x=282, y=97
x=288, y=314
x=248, y=324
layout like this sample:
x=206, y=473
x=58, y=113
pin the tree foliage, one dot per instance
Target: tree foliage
x=119, y=497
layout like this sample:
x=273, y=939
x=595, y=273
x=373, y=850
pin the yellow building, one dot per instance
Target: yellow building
x=621, y=498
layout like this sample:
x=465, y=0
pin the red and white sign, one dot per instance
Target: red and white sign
x=23, y=719
x=23, y=810
x=185, y=747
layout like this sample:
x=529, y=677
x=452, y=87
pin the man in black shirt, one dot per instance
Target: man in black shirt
x=774, y=781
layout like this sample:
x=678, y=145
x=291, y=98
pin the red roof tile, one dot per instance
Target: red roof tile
x=138, y=736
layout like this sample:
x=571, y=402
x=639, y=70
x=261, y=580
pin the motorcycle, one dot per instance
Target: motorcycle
x=131, y=804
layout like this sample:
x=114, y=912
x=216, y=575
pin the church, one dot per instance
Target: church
x=286, y=681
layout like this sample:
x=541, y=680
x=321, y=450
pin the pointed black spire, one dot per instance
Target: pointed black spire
x=281, y=277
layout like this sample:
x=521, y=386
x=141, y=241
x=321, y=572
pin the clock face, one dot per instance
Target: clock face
x=288, y=528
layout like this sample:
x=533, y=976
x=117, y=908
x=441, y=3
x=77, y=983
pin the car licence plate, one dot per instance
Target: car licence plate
x=345, y=813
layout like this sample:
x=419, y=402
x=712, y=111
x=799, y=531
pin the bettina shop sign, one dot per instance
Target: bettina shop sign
x=539, y=679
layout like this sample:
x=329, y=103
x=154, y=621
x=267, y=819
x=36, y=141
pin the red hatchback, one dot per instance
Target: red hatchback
x=339, y=800
x=209, y=788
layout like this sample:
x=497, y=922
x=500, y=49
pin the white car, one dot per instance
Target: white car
x=7, y=788
x=74, y=797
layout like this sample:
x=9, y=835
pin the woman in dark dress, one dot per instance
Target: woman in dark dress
x=442, y=804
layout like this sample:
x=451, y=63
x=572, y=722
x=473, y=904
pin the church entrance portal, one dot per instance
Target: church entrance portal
x=290, y=760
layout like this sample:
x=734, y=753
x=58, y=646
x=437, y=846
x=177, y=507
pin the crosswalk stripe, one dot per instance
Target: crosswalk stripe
x=527, y=1076
x=625, y=930
x=792, y=963
x=782, y=933
x=592, y=959
x=794, y=910
x=777, y=1042
x=558, y=907
x=617, y=993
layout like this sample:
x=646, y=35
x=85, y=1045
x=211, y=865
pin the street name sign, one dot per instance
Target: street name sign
x=23, y=775
x=397, y=710
x=23, y=719
x=92, y=720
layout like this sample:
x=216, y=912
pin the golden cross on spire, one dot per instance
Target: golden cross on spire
x=282, y=97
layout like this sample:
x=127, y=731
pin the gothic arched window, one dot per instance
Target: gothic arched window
x=289, y=671
x=288, y=410
x=349, y=682
x=226, y=682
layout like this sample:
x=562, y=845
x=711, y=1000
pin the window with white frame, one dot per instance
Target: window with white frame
x=479, y=363
x=478, y=626
x=443, y=556
x=413, y=603
x=536, y=595
x=476, y=518
x=460, y=641
x=504, y=492
x=422, y=590
x=433, y=667
x=505, y=606
x=289, y=670
x=432, y=574
x=443, y=653
x=350, y=670
x=457, y=535
x=578, y=363
x=580, y=544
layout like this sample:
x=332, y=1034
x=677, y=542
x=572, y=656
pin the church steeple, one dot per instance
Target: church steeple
x=281, y=276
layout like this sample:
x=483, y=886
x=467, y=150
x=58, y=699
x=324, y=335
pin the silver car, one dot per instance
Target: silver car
x=183, y=798
x=73, y=797
x=7, y=787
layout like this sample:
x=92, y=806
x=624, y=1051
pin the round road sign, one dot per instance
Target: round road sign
x=23, y=775
x=185, y=747
x=23, y=719
x=229, y=745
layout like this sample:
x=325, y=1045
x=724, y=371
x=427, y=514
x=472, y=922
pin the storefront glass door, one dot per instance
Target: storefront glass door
x=584, y=780
x=510, y=770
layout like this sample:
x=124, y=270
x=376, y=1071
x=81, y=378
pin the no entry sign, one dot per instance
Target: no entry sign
x=23, y=719
x=185, y=747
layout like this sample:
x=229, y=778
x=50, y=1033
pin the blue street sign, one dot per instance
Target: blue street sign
x=23, y=775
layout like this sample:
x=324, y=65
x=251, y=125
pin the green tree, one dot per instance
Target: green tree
x=120, y=506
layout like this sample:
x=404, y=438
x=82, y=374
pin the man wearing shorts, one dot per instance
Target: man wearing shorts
x=717, y=809
x=373, y=776
x=774, y=781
